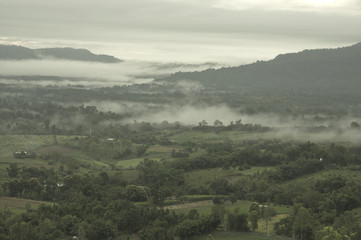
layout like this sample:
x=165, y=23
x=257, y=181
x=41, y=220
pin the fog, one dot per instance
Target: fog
x=89, y=73
x=193, y=114
x=306, y=128
x=123, y=107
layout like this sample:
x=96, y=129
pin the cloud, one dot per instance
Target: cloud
x=89, y=73
x=187, y=30
x=340, y=6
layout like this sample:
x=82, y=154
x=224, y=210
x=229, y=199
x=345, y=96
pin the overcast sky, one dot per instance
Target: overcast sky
x=223, y=31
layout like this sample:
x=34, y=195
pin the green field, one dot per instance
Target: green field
x=205, y=207
x=18, y=205
x=205, y=176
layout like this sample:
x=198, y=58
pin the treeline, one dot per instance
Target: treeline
x=299, y=158
x=98, y=206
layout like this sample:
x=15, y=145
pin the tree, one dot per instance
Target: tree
x=218, y=211
x=13, y=170
x=103, y=178
x=157, y=231
x=81, y=232
x=141, y=150
x=255, y=207
x=268, y=211
x=69, y=224
x=135, y=193
x=187, y=229
x=237, y=222
x=254, y=220
x=218, y=123
x=303, y=225
x=203, y=123
x=233, y=198
x=328, y=233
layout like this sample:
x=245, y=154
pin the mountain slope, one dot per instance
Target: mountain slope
x=11, y=52
x=323, y=70
x=75, y=54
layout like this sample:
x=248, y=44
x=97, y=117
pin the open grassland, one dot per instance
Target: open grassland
x=44, y=145
x=19, y=205
x=206, y=176
x=205, y=207
x=129, y=175
x=349, y=173
x=131, y=163
x=11, y=143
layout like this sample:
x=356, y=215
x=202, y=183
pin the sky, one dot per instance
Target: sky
x=230, y=32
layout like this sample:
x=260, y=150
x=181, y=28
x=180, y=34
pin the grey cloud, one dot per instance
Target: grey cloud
x=151, y=29
x=89, y=74
x=110, y=18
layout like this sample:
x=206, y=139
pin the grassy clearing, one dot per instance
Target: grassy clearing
x=19, y=205
x=195, y=198
x=11, y=143
x=206, y=176
x=163, y=149
x=4, y=163
x=205, y=207
x=55, y=149
x=132, y=163
x=42, y=145
x=129, y=175
x=349, y=173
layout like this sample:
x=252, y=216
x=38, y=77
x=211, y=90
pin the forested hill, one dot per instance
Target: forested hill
x=11, y=52
x=321, y=70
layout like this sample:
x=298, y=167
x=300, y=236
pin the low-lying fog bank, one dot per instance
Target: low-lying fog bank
x=193, y=114
x=89, y=74
x=305, y=128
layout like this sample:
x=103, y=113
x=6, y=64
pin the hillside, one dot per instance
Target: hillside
x=321, y=70
x=11, y=52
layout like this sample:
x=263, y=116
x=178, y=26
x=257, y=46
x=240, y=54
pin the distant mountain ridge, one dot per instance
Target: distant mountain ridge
x=12, y=52
x=320, y=70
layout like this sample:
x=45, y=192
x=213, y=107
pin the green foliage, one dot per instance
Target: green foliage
x=303, y=227
x=158, y=230
x=189, y=228
x=254, y=216
x=136, y=193
x=284, y=226
x=13, y=170
x=141, y=150
x=237, y=222
x=69, y=224
x=328, y=233
x=297, y=168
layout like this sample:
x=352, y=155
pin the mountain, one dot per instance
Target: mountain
x=75, y=54
x=11, y=52
x=320, y=70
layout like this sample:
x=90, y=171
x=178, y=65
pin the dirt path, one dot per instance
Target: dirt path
x=18, y=202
